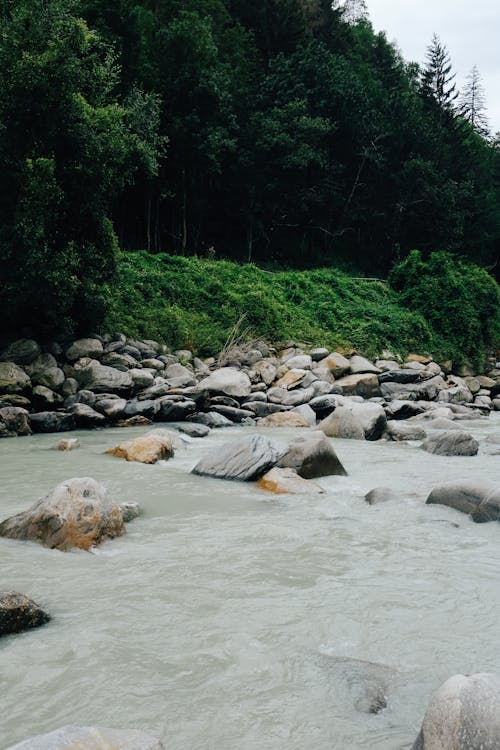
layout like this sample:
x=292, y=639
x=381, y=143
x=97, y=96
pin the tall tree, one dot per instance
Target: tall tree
x=472, y=103
x=437, y=77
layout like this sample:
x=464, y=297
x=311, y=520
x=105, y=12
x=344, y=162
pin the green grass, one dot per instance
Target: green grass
x=195, y=303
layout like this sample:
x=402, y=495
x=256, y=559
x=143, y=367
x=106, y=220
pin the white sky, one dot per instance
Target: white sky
x=469, y=29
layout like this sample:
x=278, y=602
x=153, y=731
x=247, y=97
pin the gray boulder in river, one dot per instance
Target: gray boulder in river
x=246, y=459
x=90, y=738
x=76, y=513
x=451, y=443
x=480, y=500
x=464, y=714
x=18, y=613
x=312, y=456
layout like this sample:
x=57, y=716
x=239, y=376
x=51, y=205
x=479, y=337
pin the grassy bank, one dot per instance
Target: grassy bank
x=195, y=303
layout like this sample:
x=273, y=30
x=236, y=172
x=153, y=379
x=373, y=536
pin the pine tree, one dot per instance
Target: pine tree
x=472, y=103
x=354, y=11
x=437, y=77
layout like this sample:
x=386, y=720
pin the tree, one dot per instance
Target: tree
x=354, y=11
x=67, y=146
x=437, y=77
x=472, y=103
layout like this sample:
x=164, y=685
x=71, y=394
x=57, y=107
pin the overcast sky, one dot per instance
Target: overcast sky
x=469, y=29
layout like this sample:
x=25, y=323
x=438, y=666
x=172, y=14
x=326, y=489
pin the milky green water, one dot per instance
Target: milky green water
x=216, y=621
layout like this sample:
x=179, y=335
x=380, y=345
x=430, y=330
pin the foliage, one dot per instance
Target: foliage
x=460, y=301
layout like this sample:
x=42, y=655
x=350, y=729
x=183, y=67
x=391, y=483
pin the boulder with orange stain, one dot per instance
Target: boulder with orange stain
x=77, y=513
x=283, y=419
x=157, y=445
x=287, y=481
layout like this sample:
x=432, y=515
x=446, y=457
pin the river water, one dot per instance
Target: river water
x=217, y=622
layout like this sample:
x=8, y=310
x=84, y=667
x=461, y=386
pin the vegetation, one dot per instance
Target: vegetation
x=196, y=303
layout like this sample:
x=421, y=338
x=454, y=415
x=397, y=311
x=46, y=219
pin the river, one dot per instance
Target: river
x=216, y=622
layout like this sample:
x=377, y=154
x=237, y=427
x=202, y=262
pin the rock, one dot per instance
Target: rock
x=13, y=379
x=421, y=359
x=266, y=371
x=43, y=398
x=194, y=430
x=52, y=377
x=438, y=423
x=299, y=362
x=69, y=444
x=92, y=348
x=130, y=511
x=463, y=714
x=141, y=378
x=399, y=376
x=460, y=394
x=323, y=405
x=283, y=419
x=18, y=613
x=90, y=738
x=147, y=449
x=312, y=456
x=52, y=421
x=86, y=416
x=234, y=414
x=138, y=421
x=245, y=459
x=263, y=409
x=380, y=495
x=227, y=380
x=365, y=385
x=291, y=379
x=360, y=365
x=426, y=390
x=111, y=406
x=305, y=411
x=403, y=409
x=122, y=362
x=397, y=431
x=290, y=398
x=101, y=379
x=210, y=419
x=287, y=481
x=147, y=408
x=76, y=513
x=337, y=364
x=367, y=682
x=16, y=420
x=154, y=364
x=69, y=387
x=451, y=443
x=175, y=411
x=21, y=352
x=318, y=354
x=480, y=500
x=387, y=365
x=14, y=399
x=342, y=424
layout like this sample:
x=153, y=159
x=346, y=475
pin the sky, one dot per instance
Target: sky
x=469, y=30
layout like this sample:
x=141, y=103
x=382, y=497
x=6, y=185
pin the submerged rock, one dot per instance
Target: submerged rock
x=130, y=511
x=287, y=482
x=68, y=444
x=246, y=459
x=480, y=500
x=283, y=419
x=463, y=714
x=157, y=445
x=18, y=613
x=451, y=443
x=76, y=513
x=90, y=738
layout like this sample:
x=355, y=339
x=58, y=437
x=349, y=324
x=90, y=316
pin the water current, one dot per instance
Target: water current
x=216, y=623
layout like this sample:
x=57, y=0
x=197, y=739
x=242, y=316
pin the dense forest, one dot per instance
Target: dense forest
x=285, y=132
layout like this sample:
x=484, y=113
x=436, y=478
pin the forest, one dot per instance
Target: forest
x=286, y=133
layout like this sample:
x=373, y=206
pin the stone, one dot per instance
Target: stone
x=122, y=362
x=318, y=354
x=463, y=714
x=141, y=378
x=13, y=379
x=360, y=365
x=135, y=408
x=152, y=364
x=291, y=379
x=112, y=407
x=451, y=443
x=367, y=682
x=232, y=413
x=312, y=456
x=16, y=420
x=299, y=362
x=263, y=409
x=323, y=405
x=90, y=738
x=226, y=380
x=342, y=424
x=148, y=449
x=266, y=371
x=380, y=495
x=365, y=385
x=21, y=352
x=130, y=511
x=52, y=421
x=175, y=411
x=397, y=431
x=290, y=398
x=480, y=500
x=283, y=419
x=337, y=364
x=210, y=419
x=399, y=376
x=76, y=513
x=43, y=398
x=89, y=347
x=287, y=482
x=18, y=613
x=52, y=377
x=426, y=390
x=421, y=359
x=244, y=459
x=460, y=394
x=305, y=411
x=86, y=416
x=387, y=365
x=101, y=379
x=14, y=399
x=138, y=421
x=402, y=409
x=69, y=387
x=67, y=444
x=194, y=430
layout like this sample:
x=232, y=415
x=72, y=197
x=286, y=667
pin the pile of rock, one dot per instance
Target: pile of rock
x=114, y=380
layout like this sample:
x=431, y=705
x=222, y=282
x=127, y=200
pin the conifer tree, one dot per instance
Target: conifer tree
x=437, y=77
x=472, y=103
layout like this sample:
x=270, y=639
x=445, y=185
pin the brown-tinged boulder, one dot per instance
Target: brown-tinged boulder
x=451, y=443
x=157, y=445
x=312, y=456
x=21, y=352
x=287, y=482
x=463, y=714
x=245, y=459
x=67, y=444
x=16, y=420
x=137, y=421
x=266, y=370
x=291, y=379
x=480, y=500
x=337, y=364
x=18, y=613
x=13, y=379
x=92, y=348
x=90, y=738
x=420, y=358
x=283, y=419
x=76, y=513
x=226, y=380
x=364, y=384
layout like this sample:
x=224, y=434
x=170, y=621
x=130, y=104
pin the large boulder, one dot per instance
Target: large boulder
x=292, y=398
x=22, y=352
x=463, y=714
x=337, y=364
x=101, y=379
x=342, y=424
x=451, y=443
x=283, y=419
x=12, y=378
x=356, y=421
x=86, y=416
x=361, y=364
x=227, y=380
x=52, y=421
x=312, y=455
x=156, y=445
x=398, y=431
x=90, y=738
x=84, y=348
x=425, y=390
x=365, y=385
x=16, y=420
x=246, y=459
x=210, y=419
x=76, y=513
x=480, y=500
x=50, y=377
x=18, y=613
x=287, y=482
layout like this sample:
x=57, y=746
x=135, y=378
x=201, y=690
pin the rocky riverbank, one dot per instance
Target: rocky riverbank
x=114, y=380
